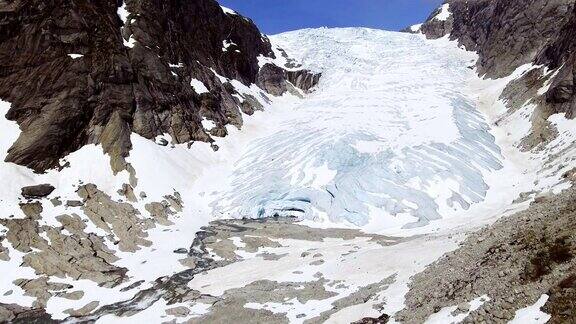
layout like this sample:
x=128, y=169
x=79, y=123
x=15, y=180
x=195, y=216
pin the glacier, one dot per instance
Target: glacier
x=392, y=133
x=398, y=143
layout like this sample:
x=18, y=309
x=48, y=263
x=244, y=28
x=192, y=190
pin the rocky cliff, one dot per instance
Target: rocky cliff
x=92, y=72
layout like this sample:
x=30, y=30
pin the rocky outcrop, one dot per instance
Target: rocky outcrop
x=32, y=210
x=303, y=79
x=50, y=252
x=4, y=252
x=383, y=319
x=11, y=313
x=78, y=73
x=41, y=289
x=70, y=250
x=434, y=27
x=561, y=54
x=277, y=81
x=271, y=78
x=116, y=218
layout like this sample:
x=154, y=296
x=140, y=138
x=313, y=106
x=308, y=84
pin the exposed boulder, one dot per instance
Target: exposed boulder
x=250, y=105
x=85, y=310
x=74, y=203
x=160, y=212
x=32, y=210
x=128, y=192
x=38, y=191
x=180, y=311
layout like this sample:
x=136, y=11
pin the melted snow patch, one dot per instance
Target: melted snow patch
x=221, y=78
x=123, y=13
x=208, y=124
x=446, y=314
x=75, y=56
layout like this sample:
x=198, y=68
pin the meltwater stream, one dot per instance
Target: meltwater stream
x=391, y=133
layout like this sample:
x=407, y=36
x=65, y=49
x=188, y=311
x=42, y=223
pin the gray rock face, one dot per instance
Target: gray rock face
x=63, y=103
x=120, y=219
x=562, y=53
x=79, y=255
x=39, y=191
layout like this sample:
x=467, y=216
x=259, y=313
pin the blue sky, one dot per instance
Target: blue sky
x=274, y=16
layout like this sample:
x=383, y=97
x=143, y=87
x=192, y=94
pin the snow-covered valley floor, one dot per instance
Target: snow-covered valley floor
x=395, y=147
